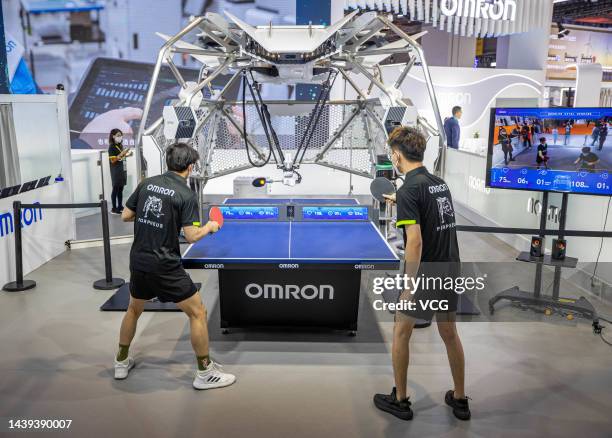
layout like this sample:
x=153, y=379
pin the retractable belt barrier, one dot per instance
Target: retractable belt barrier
x=107, y=283
x=533, y=231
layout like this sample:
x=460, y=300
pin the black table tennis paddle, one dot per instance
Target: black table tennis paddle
x=381, y=186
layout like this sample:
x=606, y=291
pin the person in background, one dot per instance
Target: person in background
x=568, y=132
x=603, y=133
x=526, y=136
x=595, y=134
x=504, y=141
x=542, y=154
x=587, y=160
x=116, y=156
x=515, y=136
x=555, y=134
x=452, y=129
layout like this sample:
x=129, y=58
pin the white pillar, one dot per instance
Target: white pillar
x=588, y=85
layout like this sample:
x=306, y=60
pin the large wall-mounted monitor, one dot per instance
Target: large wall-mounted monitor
x=551, y=149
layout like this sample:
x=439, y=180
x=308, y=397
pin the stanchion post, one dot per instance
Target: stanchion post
x=19, y=284
x=108, y=282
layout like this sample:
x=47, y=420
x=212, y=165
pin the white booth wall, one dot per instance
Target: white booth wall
x=43, y=151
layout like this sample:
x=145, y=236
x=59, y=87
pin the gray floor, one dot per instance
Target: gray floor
x=90, y=227
x=531, y=377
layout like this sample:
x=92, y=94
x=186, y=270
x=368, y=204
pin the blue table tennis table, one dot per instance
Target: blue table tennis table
x=292, y=262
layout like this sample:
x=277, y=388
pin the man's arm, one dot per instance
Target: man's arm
x=194, y=233
x=128, y=215
x=412, y=255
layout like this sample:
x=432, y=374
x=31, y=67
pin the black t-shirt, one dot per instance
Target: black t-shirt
x=588, y=160
x=425, y=199
x=113, y=151
x=163, y=205
x=542, y=151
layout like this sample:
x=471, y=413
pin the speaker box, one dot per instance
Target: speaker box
x=558, y=249
x=537, y=245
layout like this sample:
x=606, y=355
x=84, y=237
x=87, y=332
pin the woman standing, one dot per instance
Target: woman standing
x=117, y=155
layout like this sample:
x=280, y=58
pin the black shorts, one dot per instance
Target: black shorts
x=174, y=286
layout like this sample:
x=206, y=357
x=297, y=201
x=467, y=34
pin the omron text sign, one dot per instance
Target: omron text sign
x=493, y=10
x=28, y=217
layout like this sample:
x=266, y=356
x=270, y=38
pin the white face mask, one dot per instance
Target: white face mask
x=118, y=139
x=395, y=162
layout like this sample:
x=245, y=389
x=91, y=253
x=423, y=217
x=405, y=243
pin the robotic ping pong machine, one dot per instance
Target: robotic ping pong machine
x=234, y=135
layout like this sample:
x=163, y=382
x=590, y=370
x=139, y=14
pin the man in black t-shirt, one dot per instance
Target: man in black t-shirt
x=159, y=207
x=542, y=154
x=425, y=212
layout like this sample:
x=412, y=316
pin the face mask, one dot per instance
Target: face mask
x=395, y=162
x=118, y=139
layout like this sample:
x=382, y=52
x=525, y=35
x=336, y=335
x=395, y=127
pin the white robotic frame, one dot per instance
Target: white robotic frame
x=234, y=135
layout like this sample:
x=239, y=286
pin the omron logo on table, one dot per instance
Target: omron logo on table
x=29, y=216
x=289, y=291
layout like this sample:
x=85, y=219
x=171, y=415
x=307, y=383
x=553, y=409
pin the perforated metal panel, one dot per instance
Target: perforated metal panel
x=341, y=139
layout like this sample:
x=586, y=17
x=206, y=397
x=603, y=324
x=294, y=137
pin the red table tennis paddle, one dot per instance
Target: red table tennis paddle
x=215, y=215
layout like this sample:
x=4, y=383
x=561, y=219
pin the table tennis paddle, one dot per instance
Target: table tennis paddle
x=215, y=215
x=381, y=186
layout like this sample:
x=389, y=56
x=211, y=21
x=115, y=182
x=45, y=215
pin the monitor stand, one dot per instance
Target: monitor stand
x=568, y=307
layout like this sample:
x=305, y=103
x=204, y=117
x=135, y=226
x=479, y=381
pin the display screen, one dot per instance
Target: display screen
x=249, y=212
x=335, y=213
x=113, y=84
x=551, y=149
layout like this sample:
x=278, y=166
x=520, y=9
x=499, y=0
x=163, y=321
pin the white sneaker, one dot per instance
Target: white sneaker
x=212, y=377
x=123, y=368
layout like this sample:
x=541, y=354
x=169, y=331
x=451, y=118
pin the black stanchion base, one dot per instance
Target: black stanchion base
x=13, y=286
x=105, y=285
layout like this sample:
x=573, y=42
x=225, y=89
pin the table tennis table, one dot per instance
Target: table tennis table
x=292, y=262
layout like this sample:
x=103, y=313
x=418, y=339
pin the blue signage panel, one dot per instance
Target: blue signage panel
x=334, y=213
x=246, y=212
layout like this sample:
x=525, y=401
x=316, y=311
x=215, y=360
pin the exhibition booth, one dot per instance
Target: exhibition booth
x=290, y=182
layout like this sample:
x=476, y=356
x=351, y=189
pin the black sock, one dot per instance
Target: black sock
x=123, y=352
x=203, y=362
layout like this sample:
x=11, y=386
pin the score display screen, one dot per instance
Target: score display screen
x=551, y=149
x=334, y=213
x=249, y=212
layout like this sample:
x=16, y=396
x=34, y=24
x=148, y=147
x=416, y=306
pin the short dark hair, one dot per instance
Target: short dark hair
x=456, y=109
x=410, y=142
x=179, y=156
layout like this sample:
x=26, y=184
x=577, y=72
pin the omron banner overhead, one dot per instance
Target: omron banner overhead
x=493, y=9
x=551, y=149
